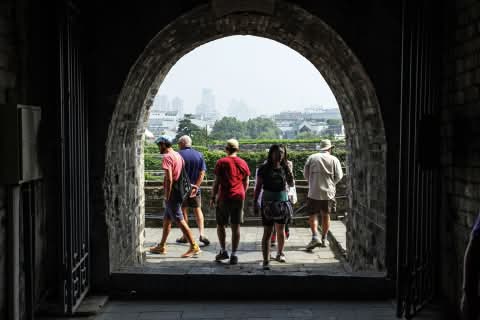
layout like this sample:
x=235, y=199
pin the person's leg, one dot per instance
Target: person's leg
x=187, y=232
x=182, y=239
x=200, y=220
x=267, y=233
x=221, y=236
x=325, y=223
x=236, y=216
x=235, y=237
x=280, y=228
x=471, y=268
x=313, y=223
x=167, y=226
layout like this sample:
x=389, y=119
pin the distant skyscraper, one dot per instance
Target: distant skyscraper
x=161, y=103
x=177, y=105
x=208, y=99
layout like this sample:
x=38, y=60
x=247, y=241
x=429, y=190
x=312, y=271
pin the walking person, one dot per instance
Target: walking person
x=196, y=168
x=469, y=305
x=323, y=171
x=273, y=177
x=287, y=224
x=228, y=194
x=172, y=164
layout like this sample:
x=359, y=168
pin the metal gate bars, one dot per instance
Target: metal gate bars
x=74, y=163
x=419, y=158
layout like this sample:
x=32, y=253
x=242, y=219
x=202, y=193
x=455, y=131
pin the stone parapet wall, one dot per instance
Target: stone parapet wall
x=460, y=154
x=301, y=146
x=154, y=204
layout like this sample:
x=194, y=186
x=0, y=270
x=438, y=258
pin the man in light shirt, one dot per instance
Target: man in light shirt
x=323, y=171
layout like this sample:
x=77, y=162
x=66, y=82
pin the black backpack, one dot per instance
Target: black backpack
x=182, y=186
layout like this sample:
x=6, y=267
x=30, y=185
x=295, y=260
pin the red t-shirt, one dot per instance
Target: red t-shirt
x=230, y=172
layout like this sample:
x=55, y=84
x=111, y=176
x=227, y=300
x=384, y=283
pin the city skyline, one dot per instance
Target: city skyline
x=266, y=76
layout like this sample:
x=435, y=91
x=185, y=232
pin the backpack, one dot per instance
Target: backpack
x=182, y=186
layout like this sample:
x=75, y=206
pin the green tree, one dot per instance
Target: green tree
x=228, y=127
x=334, y=122
x=262, y=128
x=186, y=127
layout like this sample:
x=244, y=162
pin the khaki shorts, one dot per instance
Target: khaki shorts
x=229, y=212
x=195, y=202
x=321, y=206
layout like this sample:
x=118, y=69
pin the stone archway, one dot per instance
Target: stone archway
x=301, y=31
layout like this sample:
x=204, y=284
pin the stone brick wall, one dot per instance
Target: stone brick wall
x=304, y=33
x=3, y=251
x=461, y=139
x=7, y=84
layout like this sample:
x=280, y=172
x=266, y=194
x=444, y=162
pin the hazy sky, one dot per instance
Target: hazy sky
x=267, y=75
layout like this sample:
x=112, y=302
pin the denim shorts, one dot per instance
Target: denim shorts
x=173, y=209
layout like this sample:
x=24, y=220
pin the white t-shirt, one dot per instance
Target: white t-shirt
x=323, y=171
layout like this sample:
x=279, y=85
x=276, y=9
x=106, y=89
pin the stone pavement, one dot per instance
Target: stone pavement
x=299, y=261
x=252, y=310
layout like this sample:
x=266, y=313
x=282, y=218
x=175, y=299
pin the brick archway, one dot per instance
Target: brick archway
x=301, y=31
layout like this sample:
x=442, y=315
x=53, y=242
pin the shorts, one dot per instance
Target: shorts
x=229, y=211
x=173, y=210
x=278, y=212
x=321, y=206
x=195, y=202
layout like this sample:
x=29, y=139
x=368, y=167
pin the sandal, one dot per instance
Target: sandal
x=159, y=249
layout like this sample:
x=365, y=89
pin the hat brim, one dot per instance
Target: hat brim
x=327, y=148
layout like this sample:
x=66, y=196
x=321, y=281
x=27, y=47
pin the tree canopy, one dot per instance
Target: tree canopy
x=230, y=127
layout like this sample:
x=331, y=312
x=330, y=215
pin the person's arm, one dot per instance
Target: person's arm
x=338, y=171
x=306, y=169
x=199, y=181
x=246, y=181
x=168, y=181
x=256, y=193
x=214, y=191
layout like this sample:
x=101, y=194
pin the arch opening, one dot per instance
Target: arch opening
x=304, y=33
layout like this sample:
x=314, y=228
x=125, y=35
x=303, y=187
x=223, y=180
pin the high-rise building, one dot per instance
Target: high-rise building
x=161, y=103
x=177, y=105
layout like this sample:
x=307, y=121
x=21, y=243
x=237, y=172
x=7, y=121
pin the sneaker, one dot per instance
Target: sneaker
x=313, y=244
x=233, y=260
x=158, y=249
x=181, y=240
x=222, y=255
x=266, y=265
x=281, y=258
x=204, y=240
x=193, y=251
x=324, y=243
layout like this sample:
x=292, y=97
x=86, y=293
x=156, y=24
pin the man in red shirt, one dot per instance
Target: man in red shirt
x=230, y=185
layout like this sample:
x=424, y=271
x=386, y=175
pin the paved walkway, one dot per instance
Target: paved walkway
x=299, y=261
x=252, y=310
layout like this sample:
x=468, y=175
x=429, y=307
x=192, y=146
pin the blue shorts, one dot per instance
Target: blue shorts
x=173, y=209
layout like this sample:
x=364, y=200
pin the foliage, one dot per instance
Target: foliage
x=152, y=161
x=186, y=127
x=262, y=128
x=228, y=127
x=253, y=159
x=334, y=122
x=257, y=128
x=151, y=177
x=308, y=135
